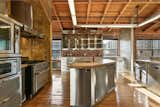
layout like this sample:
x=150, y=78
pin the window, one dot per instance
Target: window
x=110, y=47
x=56, y=49
x=148, y=48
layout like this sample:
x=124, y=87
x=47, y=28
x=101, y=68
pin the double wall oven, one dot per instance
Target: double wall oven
x=10, y=60
x=9, y=67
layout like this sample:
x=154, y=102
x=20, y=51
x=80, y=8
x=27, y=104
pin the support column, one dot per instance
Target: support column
x=127, y=49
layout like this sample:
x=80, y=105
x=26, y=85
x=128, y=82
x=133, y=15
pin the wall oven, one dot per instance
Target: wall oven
x=8, y=67
x=9, y=37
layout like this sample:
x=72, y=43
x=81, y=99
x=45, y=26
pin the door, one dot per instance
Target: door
x=6, y=37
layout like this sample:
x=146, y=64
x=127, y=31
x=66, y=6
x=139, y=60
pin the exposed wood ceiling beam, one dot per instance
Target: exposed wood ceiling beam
x=59, y=22
x=88, y=10
x=152, y=26
x=121, y=12
x=105, y=11
x=65, y=17
x=104, y=2
x=147, y=33
x=157, y=29
x=144, y=7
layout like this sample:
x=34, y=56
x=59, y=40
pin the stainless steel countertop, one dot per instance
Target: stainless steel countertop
x=149, y=61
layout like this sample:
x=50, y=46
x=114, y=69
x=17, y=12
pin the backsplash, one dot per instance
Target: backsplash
x=82, y=53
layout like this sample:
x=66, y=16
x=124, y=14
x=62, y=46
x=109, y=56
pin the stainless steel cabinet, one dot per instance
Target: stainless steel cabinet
x=42, y=79
x=104, y=80
x=154, y=74
x=10, y=92
x=141, y=74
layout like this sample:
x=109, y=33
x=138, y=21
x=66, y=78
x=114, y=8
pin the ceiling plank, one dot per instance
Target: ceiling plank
x=144, y=7
x=157, y=29
x=121, y=13
x=105, y=11
x=88, y=10
x=152, y=26
x=59, y=21
x=104, y=2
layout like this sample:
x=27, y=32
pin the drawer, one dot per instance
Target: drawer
x=42, y=79
x=154, y=72
x=155, y=67
x=11, y=101
x=9, y=86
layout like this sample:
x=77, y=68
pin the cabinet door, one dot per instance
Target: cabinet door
x=9, y=92
x=42, y=79
x=11, y=101
x=9, y=86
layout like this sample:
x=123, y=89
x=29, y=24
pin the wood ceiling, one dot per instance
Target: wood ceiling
x=104, y=12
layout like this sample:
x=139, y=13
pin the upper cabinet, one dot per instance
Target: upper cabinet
x=82, y=42
x=19, y=10
x=22, y=12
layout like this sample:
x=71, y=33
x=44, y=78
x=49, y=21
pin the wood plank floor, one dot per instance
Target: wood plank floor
x=57, y=95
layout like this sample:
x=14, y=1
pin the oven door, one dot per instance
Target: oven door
x=6, y=37
x=7, y=68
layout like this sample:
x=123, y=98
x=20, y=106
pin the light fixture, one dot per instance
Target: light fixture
x=153, y=18
x=74, y=20
x=93, y=25
x=121, y=25
x=108, y=25
x=72, y=11
x=5, y=27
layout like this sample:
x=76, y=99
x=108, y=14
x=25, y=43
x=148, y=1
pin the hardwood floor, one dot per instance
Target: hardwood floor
x=57, y=95
x=126, y=96
x=53, y=95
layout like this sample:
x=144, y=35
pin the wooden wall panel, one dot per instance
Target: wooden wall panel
x=34, y=48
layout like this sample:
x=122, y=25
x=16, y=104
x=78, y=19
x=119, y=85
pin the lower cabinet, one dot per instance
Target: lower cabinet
x=41, y=79
x=10, y=92
x=141, y=74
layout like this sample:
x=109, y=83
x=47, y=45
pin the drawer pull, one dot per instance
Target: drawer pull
x=5, y=100
x=156, y=67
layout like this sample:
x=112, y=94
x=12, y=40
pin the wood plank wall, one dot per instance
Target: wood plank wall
x=38, y=49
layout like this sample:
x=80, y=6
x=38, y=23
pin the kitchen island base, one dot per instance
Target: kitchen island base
x=88, y=85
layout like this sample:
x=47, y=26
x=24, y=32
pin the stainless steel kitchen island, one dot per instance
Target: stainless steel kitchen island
x=90, y=82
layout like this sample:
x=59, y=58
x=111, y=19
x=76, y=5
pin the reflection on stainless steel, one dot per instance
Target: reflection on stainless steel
x=149, y=70
x=9, y=36
x=36, y=76
x=8, y=67
x=89, y=85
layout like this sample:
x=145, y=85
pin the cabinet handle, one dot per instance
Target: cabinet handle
x=156, y=67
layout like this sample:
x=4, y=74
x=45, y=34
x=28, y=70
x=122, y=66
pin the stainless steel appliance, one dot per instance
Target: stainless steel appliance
x=10, y=92
x=9, y=67
x=41, y=71
x=36, y=76
x=9, y=37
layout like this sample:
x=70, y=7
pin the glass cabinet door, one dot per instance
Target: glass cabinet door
x=6, y=38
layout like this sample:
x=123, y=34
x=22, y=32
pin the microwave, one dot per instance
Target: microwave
x=9, y=67
x=9, y=37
